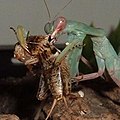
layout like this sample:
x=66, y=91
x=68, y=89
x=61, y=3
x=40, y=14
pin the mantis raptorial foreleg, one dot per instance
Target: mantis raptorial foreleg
x=76, y=31
x=67, y=50
x=73, y=50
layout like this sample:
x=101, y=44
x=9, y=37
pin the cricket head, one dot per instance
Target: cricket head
x=56, y=27
x=22, y=55
x=40, y=51
x=21, y=51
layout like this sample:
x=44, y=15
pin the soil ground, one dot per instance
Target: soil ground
x=101, y=101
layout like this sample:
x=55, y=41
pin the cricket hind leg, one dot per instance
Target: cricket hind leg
x=54, y=104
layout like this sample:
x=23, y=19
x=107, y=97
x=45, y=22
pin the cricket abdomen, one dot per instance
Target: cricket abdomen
x=55, y=83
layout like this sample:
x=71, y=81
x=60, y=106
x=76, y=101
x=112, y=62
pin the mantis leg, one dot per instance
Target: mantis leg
x=86, y=62
x=67, y=50
x=72, y=52
x=114, y=69
x=101, y=69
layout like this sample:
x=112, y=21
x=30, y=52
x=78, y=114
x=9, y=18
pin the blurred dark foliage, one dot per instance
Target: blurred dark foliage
x=114, y=37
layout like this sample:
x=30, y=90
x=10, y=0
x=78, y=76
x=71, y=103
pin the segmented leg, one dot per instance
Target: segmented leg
x=42, y=89
x=101, y=69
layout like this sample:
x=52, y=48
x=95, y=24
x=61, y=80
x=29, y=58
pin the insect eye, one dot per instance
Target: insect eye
x=48, y=28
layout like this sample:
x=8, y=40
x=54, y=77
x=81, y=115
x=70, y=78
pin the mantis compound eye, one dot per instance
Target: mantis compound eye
x=48, y=28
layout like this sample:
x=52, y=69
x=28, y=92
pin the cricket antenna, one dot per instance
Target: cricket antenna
x=47, y=10
x=14, y=32
x=63, y=8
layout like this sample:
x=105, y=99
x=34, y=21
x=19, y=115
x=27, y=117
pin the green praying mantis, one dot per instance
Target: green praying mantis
x=76, y=33
x=105, y=54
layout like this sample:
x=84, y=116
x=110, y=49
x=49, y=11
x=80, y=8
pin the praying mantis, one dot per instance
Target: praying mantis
x=76, y=33
x=105, y=54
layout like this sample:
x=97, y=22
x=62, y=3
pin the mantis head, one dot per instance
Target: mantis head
x=56, y=27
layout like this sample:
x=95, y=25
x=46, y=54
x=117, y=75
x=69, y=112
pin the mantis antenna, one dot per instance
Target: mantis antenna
x=47, y=10
x=63, y=8
x=58, y=12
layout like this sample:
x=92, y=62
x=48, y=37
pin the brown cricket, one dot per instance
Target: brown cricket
x=38, y=50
